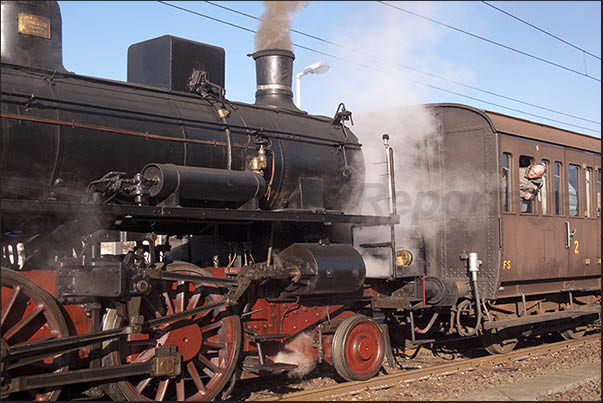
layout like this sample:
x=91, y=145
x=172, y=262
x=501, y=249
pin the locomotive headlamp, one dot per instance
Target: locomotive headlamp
x=403, y=258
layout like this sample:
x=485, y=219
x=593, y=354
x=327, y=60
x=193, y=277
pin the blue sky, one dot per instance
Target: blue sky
x=96, y=36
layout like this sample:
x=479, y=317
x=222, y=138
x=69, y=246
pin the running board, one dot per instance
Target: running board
x=376, y=245
x=594, y=310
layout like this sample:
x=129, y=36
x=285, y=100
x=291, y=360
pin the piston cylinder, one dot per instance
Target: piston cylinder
x=323, y=269
x=193, y=184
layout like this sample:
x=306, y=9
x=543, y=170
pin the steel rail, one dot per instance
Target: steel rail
x=414, y=375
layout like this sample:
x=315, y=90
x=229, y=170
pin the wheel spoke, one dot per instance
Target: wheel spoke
x=161, y=389
x=180, y=390
x=144, y=356
x=212, y=326
x=205, y=361
x=193, y=301
x=24, y=321
x=168, y=303
x=9, y=305
x=213, y=345
x=192, y=370
x=181, y=296
x=142, y=384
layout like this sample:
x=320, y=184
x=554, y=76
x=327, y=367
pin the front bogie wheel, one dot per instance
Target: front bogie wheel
x=358, y=348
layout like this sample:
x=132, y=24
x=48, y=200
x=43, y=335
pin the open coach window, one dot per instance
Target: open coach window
x=527, y=188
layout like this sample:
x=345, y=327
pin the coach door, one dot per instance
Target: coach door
x=549, y=207
x=534, y=241
x=582, y=224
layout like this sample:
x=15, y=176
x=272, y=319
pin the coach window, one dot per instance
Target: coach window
x=588, y=173
x=543, y=195
x=573, y=190
x=506, y=182
x=527, y=192
x=557, y=189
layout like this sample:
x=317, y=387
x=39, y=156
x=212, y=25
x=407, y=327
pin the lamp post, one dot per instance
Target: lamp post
x=314, y=68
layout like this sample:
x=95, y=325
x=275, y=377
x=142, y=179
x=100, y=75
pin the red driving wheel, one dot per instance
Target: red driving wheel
x=209, y=342
x=30, y=314
x=358, y=348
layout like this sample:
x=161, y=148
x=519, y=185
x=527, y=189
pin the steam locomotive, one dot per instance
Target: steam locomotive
x=161, y=242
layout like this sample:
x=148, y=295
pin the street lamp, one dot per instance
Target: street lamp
x=314, y=68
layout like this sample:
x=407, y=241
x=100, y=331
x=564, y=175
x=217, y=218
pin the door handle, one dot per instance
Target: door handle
x=568, y=234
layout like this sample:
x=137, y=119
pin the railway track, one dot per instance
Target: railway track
x=390, y=380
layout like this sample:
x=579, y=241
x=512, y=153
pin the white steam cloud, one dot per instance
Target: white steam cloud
x=298, y=352
x=275, y=30
x=385, y=99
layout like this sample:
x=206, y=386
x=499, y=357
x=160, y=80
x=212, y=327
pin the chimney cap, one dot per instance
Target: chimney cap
x=272, y=52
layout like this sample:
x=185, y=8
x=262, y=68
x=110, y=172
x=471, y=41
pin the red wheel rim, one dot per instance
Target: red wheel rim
x=364, y=349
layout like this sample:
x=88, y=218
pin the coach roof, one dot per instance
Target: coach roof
x=537, y=131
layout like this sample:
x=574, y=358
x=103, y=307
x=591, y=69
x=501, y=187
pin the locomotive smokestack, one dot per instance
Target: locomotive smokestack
x=273, y=56
x=274, y=74
x=32, y=34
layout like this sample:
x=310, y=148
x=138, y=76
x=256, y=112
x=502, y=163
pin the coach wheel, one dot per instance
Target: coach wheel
x=358, y=348
x=496, y=342
x=573, y=333
x=30, y=314
x=209, y=342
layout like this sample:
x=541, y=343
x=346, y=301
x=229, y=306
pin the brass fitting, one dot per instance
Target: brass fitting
x=403, y=258
x=222, y=113
x=257, y=164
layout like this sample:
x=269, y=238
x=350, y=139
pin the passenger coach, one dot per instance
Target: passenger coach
x=542, y=260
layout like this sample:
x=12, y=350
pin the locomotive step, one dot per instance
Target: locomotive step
x=252, y=365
